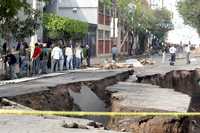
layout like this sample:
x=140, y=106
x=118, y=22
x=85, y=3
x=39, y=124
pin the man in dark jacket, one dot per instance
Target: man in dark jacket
x=86, y=54
x=5, y=48
x=11, y=60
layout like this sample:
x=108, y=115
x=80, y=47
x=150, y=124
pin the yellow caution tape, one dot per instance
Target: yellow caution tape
x=63, y=113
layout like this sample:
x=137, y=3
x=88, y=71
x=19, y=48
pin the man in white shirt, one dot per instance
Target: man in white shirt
x=79, y=56
x=61, y=60
x=69, y=57
x=55, y=56
x=172, y=51
x=187, y=50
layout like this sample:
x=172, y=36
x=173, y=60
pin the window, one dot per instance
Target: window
x=107, y=35
x=101, y=8
x=108, y=12
x=100, y=34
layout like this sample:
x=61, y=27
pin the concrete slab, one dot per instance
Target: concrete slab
x=148, y=97
x=49, y=124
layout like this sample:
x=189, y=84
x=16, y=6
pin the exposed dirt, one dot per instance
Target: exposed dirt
x=58, y=98
x=7, y=104
x=184, y=81
x=180, y=80
x=150, y=124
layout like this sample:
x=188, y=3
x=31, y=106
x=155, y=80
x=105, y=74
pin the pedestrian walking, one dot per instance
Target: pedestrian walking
x=172, y=51
x=114, y=53
x=69, y=57
x=164, y=51
x=187, y=50
x=11, y=60
x=36, y=59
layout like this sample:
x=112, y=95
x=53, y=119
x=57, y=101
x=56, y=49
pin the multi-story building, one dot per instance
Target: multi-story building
x=95, y=14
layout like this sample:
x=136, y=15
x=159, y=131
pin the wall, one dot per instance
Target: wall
x=86, y=10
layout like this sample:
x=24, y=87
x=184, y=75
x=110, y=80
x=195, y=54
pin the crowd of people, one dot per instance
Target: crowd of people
x=173, y=50
x=44, y=59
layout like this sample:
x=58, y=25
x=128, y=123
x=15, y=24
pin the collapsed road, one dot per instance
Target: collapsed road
x=61, y=93
x=113, y=90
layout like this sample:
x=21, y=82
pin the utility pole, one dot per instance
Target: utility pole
x=150, y=3
x=114, y=21
x=162, y=3
x=34, y=37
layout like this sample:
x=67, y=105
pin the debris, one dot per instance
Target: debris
x=74, y=125
x=123, y=130
x=147, y=61
x=196, y=51
x=134, y=62
x=116, y=66
x=95, y=124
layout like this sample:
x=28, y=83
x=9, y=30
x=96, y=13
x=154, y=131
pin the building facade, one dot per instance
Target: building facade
x=95, y=14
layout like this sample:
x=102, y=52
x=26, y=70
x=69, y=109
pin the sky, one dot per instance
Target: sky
x=181, y=32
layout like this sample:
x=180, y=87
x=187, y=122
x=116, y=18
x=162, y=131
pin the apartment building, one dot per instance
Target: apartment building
x=95, y=14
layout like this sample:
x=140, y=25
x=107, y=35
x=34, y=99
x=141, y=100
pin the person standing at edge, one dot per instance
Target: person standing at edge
x=36, y=59
x=172, y=51
x=61, y=60
x=164, y=51
x=88, y=55
x=69, y=57
x=114, y=53
x=79, y=56
x=55, y=55
x=44, y=58
x=187, y=50
x=11, y=59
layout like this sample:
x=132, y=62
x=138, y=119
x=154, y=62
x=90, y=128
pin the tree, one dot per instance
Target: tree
x=63, y=28
x=190, y=11
x=136, y=18
x=161, y=23
x=18, y=20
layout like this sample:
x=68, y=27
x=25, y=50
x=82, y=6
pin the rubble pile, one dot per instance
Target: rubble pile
x=130, y=63
x=116, y=66
x=196, y=51
x=147, y=61
x=110, y=66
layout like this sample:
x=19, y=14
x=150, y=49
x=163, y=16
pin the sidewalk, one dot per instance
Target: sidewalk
x=49, y=81
x=29, y=78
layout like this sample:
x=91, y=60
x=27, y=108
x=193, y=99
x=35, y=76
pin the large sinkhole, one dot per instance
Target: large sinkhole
x=185, y=81
x=93, y=96
x=89, y=96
